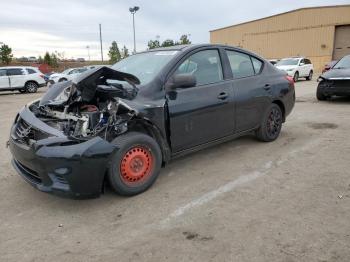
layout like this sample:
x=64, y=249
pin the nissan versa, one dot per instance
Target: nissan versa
x=121, y=124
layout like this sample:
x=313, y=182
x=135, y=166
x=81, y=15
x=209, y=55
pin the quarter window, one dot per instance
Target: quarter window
x=30, y=71
x=257, y=64
x=204, y=65
x=240, y=63
x=15, y=72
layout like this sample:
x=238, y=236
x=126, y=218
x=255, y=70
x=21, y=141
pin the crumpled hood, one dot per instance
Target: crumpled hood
x=337, y=74
x=85, y=84
x=88, y=81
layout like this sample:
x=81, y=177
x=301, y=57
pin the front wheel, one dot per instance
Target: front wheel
x=320, y=96
x=296, y=77
x=135, y=165
x=271, y=125
x=31, y=87
x=309, y=77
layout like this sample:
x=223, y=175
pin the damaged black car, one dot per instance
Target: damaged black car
x=336, y=81
x=121, y=124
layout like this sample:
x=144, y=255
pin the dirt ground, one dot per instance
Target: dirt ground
x=244, y=200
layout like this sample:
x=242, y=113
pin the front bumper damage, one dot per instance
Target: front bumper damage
x=56, y=164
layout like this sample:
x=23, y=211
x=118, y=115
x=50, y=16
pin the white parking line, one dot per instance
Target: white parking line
x=230, y=186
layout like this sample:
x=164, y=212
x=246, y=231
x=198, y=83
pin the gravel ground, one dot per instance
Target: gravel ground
x=241, y=201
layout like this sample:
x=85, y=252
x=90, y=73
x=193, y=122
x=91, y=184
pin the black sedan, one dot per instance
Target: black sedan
x=336, y=81
x=122, y=124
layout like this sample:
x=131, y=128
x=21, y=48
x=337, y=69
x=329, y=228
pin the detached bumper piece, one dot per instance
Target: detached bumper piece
x=335, y=87
x=58, y=165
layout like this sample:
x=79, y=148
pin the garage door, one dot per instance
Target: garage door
x=341, y=41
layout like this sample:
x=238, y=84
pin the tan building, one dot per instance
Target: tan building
x=319, y=33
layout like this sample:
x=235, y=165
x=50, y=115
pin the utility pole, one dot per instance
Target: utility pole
x=133, y=10
x=101, y=42
x=88, y=49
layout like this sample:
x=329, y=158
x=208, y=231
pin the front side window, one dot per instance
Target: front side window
x=204, y=65
x=241, y=65
x=15, y=72
x=2, y=72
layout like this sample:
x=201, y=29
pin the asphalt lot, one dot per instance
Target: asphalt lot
x=241, y=201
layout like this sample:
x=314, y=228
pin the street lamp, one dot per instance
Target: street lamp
x=88, y=49
x=133, y=10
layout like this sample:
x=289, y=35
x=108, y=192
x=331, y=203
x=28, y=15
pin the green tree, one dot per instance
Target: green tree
x=184, y=40
x=153, y=44
x=47, y=58
x=5, y=54
x=114, y=53
x=168, y=42
x=50, y=59
x=125, y=52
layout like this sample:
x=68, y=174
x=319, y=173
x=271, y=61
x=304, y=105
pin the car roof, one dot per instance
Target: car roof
x=22, y=67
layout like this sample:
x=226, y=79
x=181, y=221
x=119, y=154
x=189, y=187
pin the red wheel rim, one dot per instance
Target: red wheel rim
x=136, y=165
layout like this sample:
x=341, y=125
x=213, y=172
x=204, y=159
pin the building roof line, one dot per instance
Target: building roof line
x=291, y=11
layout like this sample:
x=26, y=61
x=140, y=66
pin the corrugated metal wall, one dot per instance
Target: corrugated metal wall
x=308, y=32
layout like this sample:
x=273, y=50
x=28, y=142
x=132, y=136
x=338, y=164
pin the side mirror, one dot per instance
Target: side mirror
x=181, y=81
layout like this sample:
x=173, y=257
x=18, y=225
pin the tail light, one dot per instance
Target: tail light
x=290, y=80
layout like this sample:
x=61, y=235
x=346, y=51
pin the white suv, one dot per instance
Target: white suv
x=297, y=67
x=24, y=79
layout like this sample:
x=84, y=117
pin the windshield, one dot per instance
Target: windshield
x=145, y=66
x=291, y=61
x=66, y=71
x=343, y=63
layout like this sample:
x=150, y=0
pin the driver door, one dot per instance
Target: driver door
x=204, y=112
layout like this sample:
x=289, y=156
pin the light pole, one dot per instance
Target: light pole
x=88, y=49
x=133, y=10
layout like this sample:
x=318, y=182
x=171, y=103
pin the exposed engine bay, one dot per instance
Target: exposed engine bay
x=90, y=106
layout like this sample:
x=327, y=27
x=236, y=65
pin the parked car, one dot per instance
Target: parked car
x=121, y=124
x=274, y=61
x=336, y=81
x=24, y=79
x=329, y=65
x=297, y=67
x=66, y=75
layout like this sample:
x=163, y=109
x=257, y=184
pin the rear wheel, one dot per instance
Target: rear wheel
x=31, y=87
x=135, y=166
x=271, y=125
x=309, y=77
x=296, y=76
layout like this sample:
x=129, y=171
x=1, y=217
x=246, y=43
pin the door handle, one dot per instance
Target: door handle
x=222, y=95
x=267, y=87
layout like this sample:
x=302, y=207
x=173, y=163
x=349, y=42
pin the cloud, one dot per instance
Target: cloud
x=33, y=27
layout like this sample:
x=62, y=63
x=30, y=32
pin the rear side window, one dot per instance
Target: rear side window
x=31, y=71
x=15, y=72
x=307, y=61
x=257, y=64
x=240, y=63
x=204, y=65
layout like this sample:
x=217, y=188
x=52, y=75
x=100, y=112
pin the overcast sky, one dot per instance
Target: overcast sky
x=33, y=27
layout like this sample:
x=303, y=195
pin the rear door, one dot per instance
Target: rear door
x=4, y=79
x=252, y=90
x=204, y=112
x=17, y=77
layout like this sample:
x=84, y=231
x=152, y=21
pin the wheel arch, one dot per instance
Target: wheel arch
x=147, y=127
x=283, y=108
x=31, y=81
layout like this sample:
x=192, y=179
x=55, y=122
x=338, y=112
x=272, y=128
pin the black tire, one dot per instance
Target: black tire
x=296, y=77
x=271, y=125
x=309, y=77
x=62, y=79
x=319, y=95
x=31, y=87
x=122, y=182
